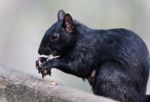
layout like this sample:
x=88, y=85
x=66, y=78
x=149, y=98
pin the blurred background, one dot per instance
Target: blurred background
x=24, y=22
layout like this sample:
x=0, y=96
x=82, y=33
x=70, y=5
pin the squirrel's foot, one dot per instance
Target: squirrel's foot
x=41, y=69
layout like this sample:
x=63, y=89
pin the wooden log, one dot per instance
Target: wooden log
x=17, y=86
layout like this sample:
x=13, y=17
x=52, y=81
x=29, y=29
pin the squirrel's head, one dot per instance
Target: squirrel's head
x=59, y=37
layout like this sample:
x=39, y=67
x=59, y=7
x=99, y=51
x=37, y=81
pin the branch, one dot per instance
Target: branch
x=16, y=86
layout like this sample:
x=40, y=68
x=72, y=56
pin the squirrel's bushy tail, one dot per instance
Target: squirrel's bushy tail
x=147, y=98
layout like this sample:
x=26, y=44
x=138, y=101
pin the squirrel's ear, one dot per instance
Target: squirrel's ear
x=60, y=15
x=68, y=23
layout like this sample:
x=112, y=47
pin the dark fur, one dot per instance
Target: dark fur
x=119, y=56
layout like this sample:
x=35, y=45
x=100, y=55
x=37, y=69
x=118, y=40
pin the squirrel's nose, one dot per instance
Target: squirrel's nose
x=40, y=51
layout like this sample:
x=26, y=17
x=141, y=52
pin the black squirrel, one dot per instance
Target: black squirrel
x=115, y=61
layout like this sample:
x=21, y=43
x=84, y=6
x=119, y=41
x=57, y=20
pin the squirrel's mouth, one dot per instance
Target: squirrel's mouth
x=53, y=54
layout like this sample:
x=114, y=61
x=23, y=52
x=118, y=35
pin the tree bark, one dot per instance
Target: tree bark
x=16, y=86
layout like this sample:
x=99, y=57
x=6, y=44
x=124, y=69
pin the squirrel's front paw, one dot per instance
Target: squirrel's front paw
x=42, y=69
x=40, y=61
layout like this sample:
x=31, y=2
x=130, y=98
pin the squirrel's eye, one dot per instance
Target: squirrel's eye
x=55, y=36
